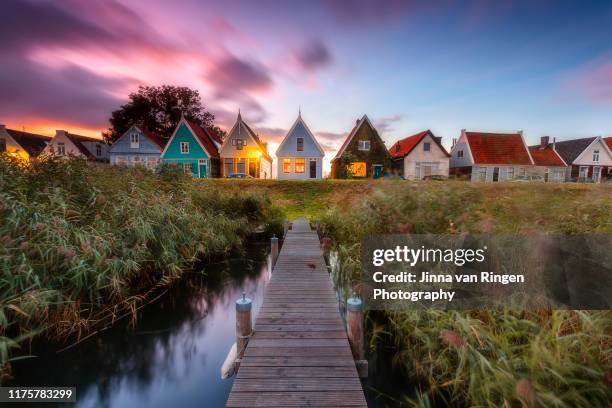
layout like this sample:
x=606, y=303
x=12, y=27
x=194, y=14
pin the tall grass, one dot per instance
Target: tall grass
x=485, y=358
x=82, y=243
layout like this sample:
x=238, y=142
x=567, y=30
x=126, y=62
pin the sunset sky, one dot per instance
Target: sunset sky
x=541, y=66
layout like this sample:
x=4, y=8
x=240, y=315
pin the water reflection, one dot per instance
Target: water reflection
x=173, y=355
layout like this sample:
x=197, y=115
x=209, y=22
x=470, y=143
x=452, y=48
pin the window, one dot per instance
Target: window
x=151, y=162
x=134, y=140
x=228, y=167
x=426, y=147
x=300, y=144
x=286, y=165
x=98, y=150
x=61, y=149
x=364, y=145
x=239, y=144
x=522, y=172
x=510, y=173
x=583, y=172
x=121, y=160
x=482, y=174
x=358, y=169
x=459, y=153
x=187, y=168
x=240, y=166
x=596, y=156
x=299, y=164
x=2, y=145
x=184, y=147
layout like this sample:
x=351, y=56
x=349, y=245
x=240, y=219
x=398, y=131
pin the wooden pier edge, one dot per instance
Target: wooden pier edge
x=299, y=353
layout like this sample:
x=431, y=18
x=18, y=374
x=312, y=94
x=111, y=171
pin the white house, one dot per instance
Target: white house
x=300, y=157
x=69, y=144
x=420, y=156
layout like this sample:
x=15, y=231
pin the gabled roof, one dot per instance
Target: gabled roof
x=158, y=140
x=360, y=122
x=404, y=146
x=546, y=156
x=498, y=148
x=238, y=126
x=569, y=150
x=608, y=141
x=205, y=138
x=77, y=141
x=300, y=122
x=32, y=143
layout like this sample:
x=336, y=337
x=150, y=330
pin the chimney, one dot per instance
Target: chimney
x=554, y=143
x=454, y=141
x=60, y=132
x=544, y=142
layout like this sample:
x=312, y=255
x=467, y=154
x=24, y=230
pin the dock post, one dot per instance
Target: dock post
x=354, y=319
x=274, y=249
x=244, y=328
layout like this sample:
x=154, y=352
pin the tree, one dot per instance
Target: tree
x=158, y=109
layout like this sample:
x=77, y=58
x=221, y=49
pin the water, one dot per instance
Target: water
x=173, y=354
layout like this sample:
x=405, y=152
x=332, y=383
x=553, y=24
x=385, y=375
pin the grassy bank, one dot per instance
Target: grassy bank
x=486, y=358
x=83, y=244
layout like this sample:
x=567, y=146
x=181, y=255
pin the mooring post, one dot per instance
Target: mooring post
x=244, y=328
x=274, y=249
x=354, y=319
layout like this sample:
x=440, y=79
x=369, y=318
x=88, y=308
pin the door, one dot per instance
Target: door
x=596, y=174
x=377, y=172
x=427, y=172
x=495, y=173
x=313, y=169
x=203, y=169
x=252, y=168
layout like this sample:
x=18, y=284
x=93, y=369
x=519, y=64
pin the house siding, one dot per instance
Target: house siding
x=196, y=157
x=288, y=151
x=147, y=153
x=251, y=153
x=418, y=157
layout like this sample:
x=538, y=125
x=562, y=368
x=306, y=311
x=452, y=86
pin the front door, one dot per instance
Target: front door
x=377, y=172
x=426, y=172
x=313, y=169
x=203, y=169
x=252, y=168
x=495, y=173
x=596, y=174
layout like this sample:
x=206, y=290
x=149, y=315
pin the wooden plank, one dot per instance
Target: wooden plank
x=257, y=342
x=302, y=335
x=296, y=399
x=298, y=352
x=289, y=372
x=297, y=384
x=288, y=361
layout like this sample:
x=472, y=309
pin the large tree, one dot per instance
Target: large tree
x=158, y=109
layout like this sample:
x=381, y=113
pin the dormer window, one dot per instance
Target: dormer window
x=364, y=145
x=134, y=140
x=300, y=144
x=459, y=153
x=184, y=147
x=596, y=156
x=427, y=147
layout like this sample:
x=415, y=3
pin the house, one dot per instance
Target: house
x=363, y=154
x=243, y=152
x=481, y=156
x=548, y=163
x=589, y=159
x=137, y=146
x=300, y=157
x=420, y=156
x=66, y=144
x=194, y=149
x=21, y=144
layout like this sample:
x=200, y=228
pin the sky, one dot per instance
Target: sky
x=544, y=67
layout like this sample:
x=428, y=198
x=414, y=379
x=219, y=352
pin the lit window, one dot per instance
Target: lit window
x=286, y=165
x=299, y=165
x=358, y=169
x=426, y=147
x=184, y=147
x=364, y=145
x=300, y=144
x=98, y=150
x=61, y=149
x=187, y=168
x=239, y=144
x=459, y=153
x=596, y=156
x=134, y=140
x=2, y=145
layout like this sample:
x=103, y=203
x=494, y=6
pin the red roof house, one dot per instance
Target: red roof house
x=420, y=156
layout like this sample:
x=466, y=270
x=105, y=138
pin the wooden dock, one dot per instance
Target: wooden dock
x=299, y=354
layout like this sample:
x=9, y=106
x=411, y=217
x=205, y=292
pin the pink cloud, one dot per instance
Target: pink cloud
x=593, y=81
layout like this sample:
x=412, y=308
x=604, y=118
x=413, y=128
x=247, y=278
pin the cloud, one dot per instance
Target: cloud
x=385, y=124
x=314, y=55
x=359, y=12
x=331, y=141
x=594, y=82
x=233, y=73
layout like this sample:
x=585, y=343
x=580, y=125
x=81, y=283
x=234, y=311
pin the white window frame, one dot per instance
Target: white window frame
x=509, y=173
x=460, y=153
x=295, y=166
x=188, y=165
x=596, y=156
x=363, y=145
x=427, y=146
x=297, y=144
x=184, y=147
x=586, y=172
x=284, y=169
x=61, y=149
x=134, y=140
x=482, y=174
x=98, y=150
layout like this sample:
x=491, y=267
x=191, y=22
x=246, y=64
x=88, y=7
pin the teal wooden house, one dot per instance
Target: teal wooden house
x=194, y=149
